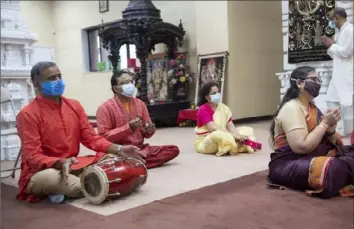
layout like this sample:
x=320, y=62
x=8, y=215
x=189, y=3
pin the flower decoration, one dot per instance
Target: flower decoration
x=137, y=71
x=172, y=62
x=179, y=71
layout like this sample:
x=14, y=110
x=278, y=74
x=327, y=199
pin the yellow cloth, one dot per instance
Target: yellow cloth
x=221, y=142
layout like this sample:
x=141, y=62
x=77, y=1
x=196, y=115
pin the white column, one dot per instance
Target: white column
x=27, y=57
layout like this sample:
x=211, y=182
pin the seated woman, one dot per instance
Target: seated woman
x=215, y=132
x=309, y=155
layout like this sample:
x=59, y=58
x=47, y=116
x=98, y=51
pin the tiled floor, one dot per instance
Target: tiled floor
x=187, y=172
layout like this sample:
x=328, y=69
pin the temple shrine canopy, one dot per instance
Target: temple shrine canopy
x=141, y=24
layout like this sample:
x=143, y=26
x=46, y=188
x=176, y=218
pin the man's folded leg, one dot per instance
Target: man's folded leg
x=159, y=155
x=50, y=181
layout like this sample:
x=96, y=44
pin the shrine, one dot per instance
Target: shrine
x=143, y=26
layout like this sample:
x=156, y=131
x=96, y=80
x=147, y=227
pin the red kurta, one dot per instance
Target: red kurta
x=113, y=124
x=49, y=132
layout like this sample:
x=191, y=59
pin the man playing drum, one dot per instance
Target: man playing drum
x=51, y=129
x=125, y=120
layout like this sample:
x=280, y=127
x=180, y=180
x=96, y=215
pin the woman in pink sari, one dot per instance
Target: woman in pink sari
x=215, y=131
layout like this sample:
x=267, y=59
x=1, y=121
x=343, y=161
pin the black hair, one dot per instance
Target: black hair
x=204, y=91
x=300, y=73
x=116, y=75
x=37, y=68
x=340, y=12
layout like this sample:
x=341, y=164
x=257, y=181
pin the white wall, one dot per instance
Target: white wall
x=38, y=16
x=255, y=45
x=211, y=26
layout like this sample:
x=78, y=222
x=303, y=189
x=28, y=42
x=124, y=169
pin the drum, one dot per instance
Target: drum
x=112, y=178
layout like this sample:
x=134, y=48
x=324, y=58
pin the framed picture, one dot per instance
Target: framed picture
x=103, y=5
x=211, y=67
x=156, y=72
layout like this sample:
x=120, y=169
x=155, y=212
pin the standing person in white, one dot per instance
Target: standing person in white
x=340, y=90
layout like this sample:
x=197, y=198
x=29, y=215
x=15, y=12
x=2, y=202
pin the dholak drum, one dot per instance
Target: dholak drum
x=112, y=178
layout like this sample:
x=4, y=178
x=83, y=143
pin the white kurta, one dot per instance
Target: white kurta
x=341, y=85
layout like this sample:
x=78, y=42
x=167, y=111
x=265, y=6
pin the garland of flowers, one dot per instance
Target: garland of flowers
x=179, y=71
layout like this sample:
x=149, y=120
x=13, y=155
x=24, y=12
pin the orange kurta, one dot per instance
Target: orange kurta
x=113, y=123
x=49, y=132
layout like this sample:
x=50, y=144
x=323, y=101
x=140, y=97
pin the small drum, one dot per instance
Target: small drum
x=112, y=178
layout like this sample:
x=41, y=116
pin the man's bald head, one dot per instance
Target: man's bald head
x=338, y=16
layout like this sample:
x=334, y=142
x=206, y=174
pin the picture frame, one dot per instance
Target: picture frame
x=157, y=80
x=103, y=6
x=211, y=67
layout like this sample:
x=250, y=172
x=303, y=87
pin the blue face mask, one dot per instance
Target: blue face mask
x=128, y=90
x=215, y=98
x=53, y=88
x=331, y=24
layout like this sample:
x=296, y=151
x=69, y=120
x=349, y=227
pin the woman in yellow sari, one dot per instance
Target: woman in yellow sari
x=215, y=131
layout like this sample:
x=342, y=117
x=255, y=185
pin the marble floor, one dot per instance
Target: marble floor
x=189, y=171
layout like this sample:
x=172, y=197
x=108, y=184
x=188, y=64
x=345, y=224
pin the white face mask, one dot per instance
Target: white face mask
x=128, y=90
x=215, y=98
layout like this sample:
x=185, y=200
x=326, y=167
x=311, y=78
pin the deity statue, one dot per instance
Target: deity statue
x=6, y=54
x=157, y=83
x=210, y=72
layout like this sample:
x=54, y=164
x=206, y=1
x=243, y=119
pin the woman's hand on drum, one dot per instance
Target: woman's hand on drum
x=331, y=117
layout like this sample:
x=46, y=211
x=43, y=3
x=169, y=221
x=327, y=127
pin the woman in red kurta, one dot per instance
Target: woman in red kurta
x=51, y=129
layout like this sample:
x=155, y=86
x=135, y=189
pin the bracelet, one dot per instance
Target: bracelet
x=324, y=125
